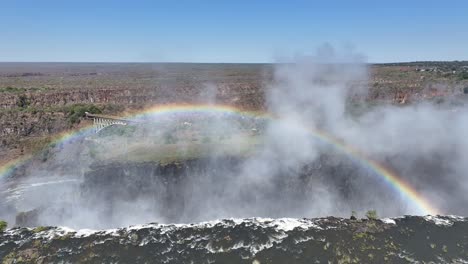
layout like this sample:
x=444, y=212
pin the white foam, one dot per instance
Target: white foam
x=388, y=221
x=85, y=232
x=442, y=221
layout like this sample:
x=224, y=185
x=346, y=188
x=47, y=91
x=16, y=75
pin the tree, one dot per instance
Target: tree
x=3, y=225
x=371, y=215
x=75, y=112
x=22, y=101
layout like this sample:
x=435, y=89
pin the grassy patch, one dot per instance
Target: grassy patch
x=118, y=130
x=39, y=229
x=13, y=90
x=178, y=152
x=10, y=89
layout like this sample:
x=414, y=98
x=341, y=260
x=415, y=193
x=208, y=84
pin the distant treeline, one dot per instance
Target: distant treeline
x=426, y=63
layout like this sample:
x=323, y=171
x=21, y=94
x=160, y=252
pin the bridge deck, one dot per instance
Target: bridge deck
x=89, y=115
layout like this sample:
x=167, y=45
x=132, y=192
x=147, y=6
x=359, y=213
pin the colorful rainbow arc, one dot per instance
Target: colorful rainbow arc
x=396, y=182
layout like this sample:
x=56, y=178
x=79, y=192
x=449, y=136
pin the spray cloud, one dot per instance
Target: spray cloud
x=256, y=167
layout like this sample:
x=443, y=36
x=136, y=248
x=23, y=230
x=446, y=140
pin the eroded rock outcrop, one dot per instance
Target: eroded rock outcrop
x=409, y=239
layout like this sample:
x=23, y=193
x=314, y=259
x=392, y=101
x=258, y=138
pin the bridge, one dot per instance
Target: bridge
x=101, y=121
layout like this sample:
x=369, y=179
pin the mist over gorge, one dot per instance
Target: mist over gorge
x=185, y=166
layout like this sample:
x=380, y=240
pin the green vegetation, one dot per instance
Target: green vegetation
x=32, y=110
x=372, y=215
x=10, y=89
x=360, y=235
x=39, y=229
x=118, y=130
x=463, y=75
x=76, y=111
x=23, y=101
x=3, y=225
x=166, y=153
x=16, y=90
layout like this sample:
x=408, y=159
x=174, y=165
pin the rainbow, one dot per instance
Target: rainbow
x=7, y=168
x=397, y=183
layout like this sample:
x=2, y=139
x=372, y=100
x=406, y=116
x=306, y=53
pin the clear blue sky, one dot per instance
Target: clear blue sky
x=230, y=31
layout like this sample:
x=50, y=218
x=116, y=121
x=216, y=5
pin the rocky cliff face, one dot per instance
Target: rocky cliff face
x=229, y=93
x=34, y=97
x=410, y=239
x=47, y=87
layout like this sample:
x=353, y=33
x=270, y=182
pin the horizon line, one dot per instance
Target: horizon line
x=191, y=62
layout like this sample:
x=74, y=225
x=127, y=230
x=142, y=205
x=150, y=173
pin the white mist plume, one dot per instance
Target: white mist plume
x=289, y=173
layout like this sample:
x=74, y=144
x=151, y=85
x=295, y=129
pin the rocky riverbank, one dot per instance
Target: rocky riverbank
x=409, y=239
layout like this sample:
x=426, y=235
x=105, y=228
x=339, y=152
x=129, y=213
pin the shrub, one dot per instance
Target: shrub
x=39, y=229
x=75, y=112
x=10, y=89
x=371, y=215
x=22, y=101
x=3, y=225
x=33, y=110
x=463, y=75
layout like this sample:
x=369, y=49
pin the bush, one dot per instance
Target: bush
x=39, y=229
x=3, y=225
x=75, y=112
x=10, y=89
x=22, y=101
x=33, y=110
x=463, y=75
x=371, y=215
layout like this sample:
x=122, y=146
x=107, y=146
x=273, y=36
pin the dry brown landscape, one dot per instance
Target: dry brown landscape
x=38, y=100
